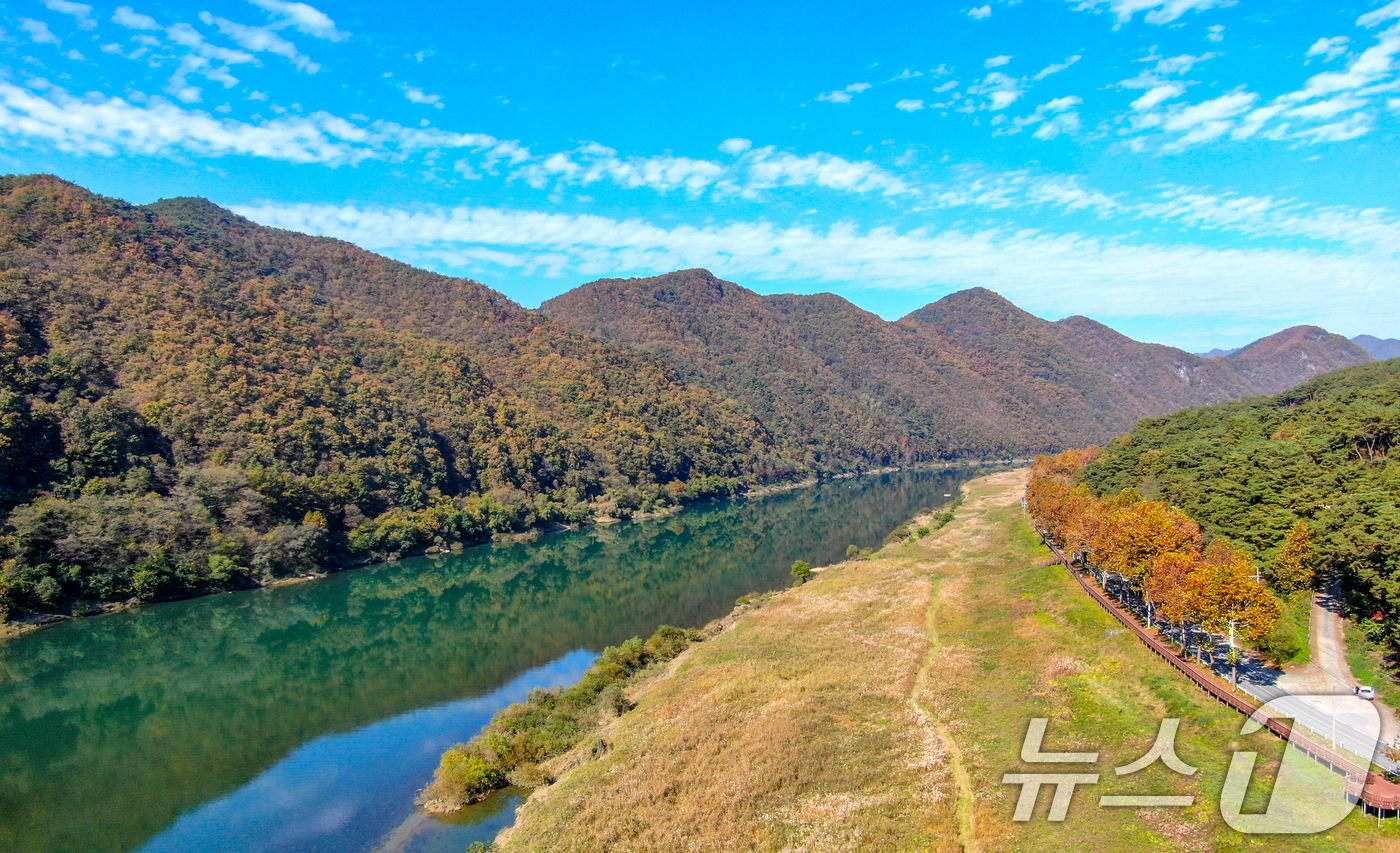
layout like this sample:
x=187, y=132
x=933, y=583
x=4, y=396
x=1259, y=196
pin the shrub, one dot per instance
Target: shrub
x=548, y=723
x=463, y=777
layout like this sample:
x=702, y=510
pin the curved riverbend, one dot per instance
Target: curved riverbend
x=302, y=718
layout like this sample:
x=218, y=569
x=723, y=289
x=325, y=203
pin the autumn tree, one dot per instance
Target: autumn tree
x=1229, y=597
x=1134, y=535
x=1292, y=569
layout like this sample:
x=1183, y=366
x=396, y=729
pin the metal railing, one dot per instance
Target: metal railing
x=1374, y=790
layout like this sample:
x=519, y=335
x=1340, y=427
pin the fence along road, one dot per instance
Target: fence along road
x=1371, y=789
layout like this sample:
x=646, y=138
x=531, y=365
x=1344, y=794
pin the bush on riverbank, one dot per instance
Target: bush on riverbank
x=522, y=736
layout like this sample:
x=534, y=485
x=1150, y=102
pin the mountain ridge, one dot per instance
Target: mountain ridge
x=191, y=401
x=970, y=370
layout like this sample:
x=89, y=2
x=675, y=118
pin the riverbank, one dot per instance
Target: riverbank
x=27, y=622
x=879, y=705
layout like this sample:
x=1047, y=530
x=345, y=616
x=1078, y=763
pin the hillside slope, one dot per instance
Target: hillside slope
x=968, y=375
x=1294, y=355
x=1380, y=349
x=1322, y=452
x=189, y=401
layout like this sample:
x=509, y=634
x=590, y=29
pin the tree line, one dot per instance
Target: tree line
x=1251, y=471
x=1158, y=553
x=189, y=402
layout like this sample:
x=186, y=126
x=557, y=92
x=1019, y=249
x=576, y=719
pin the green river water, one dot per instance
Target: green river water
x=303, y=718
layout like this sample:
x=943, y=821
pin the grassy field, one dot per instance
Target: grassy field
x=877, y=708
x=1372, y=665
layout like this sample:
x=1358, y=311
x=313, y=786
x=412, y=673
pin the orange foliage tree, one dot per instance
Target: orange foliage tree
x=1156, y=547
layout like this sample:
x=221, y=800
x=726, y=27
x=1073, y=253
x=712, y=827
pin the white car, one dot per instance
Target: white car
x=1366, y=692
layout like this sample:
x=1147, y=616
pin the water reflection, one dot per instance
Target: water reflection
x=112, y=729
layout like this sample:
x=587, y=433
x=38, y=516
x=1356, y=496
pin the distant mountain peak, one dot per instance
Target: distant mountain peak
x=1296, y=354
x=1381, y=349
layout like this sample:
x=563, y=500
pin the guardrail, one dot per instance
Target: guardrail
x=1372, y=789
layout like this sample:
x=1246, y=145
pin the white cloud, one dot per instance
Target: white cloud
x=307, y=19
x=980, y=12
x=1055, y=117
x=996, y=61
x=38, y=31
x=418, y=96
x=187, y=36
x=133, y=20
x=843, y=96
x=735, y=145
x=1042, y=271
x=113, y=126
x=1217, y=32
x=261, y=40
x=81, y=12
x=1056, y=68
x=1002, y=91
x=1329, y=48
x=1158, y=11
x=1157, y=94
x=1381, y=15
x=944, y=87
x=910, y=105
x=1339, y=100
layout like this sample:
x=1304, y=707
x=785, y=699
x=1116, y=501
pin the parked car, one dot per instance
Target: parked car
x=1366, y=691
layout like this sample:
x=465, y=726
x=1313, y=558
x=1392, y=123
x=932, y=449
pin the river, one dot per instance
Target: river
x=302, y=718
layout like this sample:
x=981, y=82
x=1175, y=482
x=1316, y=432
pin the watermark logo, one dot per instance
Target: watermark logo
x=1306, y=797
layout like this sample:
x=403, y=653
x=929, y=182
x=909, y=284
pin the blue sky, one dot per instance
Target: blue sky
x=1195, y=172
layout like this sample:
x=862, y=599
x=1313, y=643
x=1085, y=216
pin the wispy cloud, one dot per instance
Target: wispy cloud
x=1331, y=106
x=1040, y=270
x=131, y=19
x=996, y=61
x=38, y=31
x=304, y=18
x=1056, y=68
x=980, y=12
x=81, y=12
x=418, y=96
x=1158, y=11
x=1001, y=90
x=50, y=116
x=261, y=40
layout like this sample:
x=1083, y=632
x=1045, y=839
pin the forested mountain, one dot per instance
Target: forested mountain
x=188, y=401
x=1286, y=358
x=1250, y=469
x=1379, y=348
x=970, y=374
x=191, y=401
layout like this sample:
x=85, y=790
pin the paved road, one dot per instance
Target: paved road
x=1349, y=722
x=1328, y=673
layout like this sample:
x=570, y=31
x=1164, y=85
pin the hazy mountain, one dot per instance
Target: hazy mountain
x=1379, y=348
x=1217, y=352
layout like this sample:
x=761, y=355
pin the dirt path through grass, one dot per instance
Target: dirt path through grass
x=966, y=811
x=878, y=707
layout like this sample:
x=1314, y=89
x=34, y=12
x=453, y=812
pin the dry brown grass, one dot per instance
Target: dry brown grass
x=857, y=713
x=792, y=731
